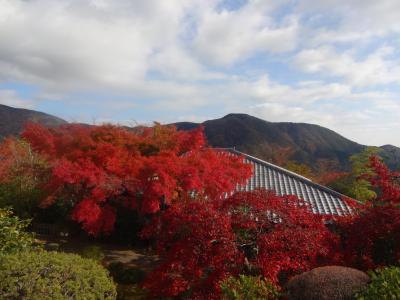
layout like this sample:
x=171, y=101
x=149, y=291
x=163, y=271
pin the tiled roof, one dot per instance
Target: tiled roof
x=321, y=199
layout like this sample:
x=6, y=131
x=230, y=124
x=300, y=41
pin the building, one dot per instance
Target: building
x=321, y=199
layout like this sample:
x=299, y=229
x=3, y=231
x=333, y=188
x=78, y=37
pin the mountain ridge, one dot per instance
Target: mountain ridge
x=314, y=145
x=277, y=142
x=12, y=120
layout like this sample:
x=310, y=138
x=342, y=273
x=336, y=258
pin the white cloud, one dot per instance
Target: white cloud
x=225, y=37
x=355, y=20
x=175, y=62
x=375, y=69
x=74, y=44
x=189, y=58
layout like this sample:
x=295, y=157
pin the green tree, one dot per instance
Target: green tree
x=360, y=188
x=354, y=184
x=300, y=169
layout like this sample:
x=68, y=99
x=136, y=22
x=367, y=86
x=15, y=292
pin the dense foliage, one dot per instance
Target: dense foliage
x=211, y=244
x=45, y=275
x=13, y=237
x=198, y=250
x=248, y=287
x=22, y=174
x=201, y=243
x=275, y=233
x=385, y=285
x=355, y=184
x=97, y=169
x=371, y=237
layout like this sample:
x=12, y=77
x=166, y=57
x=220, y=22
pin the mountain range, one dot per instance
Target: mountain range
x=278, y=142
x=12, y=120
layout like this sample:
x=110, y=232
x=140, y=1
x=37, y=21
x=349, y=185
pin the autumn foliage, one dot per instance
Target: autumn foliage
x=181, y=189
x=371, y=237
x=197, y=246
x=258, y=233
x=98, y=168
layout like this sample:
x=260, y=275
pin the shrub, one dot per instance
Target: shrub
x=22, y=174
x=45, y=275
x=13, y=237
x=333, y=282
x=385, y=284
x=93, y=252
x=248, y=287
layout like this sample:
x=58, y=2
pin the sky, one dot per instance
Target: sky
x=335, y=63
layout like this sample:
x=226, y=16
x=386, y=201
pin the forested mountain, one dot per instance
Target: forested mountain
x=314, y=145
x=12, y=120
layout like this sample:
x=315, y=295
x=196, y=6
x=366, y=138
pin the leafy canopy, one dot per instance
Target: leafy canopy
x=97, y=169
x=256, y=233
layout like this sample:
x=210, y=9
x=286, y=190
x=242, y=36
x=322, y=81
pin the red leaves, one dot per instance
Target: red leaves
x=141, y=170
x=386, y=181
x=371, y=238
x=95, y=219
x=201, y=243
x=279, y=230
x=197, y=248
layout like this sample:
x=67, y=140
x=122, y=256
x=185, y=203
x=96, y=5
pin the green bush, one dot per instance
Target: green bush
x=248, y=287
x=13, y=237
x=42, y=275
x=124, y=275
x=93, y=252
x=385, y=284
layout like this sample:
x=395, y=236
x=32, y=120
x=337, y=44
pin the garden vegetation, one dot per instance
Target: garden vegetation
x=211, y=244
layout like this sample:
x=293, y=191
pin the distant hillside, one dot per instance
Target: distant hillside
x=12, y=120
x=316, y=146
x=313, y=145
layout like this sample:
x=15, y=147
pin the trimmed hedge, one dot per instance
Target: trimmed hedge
x=385, y=284
x=332, y=282
x=43, y=275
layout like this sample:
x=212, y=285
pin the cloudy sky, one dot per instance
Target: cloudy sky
x=335, y=63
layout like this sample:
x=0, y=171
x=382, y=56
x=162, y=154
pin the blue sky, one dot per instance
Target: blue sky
x=332, y=63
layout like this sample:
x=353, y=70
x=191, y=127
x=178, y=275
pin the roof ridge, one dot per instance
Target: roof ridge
x=290, y=173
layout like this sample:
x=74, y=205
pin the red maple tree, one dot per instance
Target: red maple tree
x=197, y=249
x=371, y=237
x=201, y=243
x=276, y=231
x=99, y=168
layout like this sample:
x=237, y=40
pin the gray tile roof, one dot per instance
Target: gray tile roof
x=321, y=199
